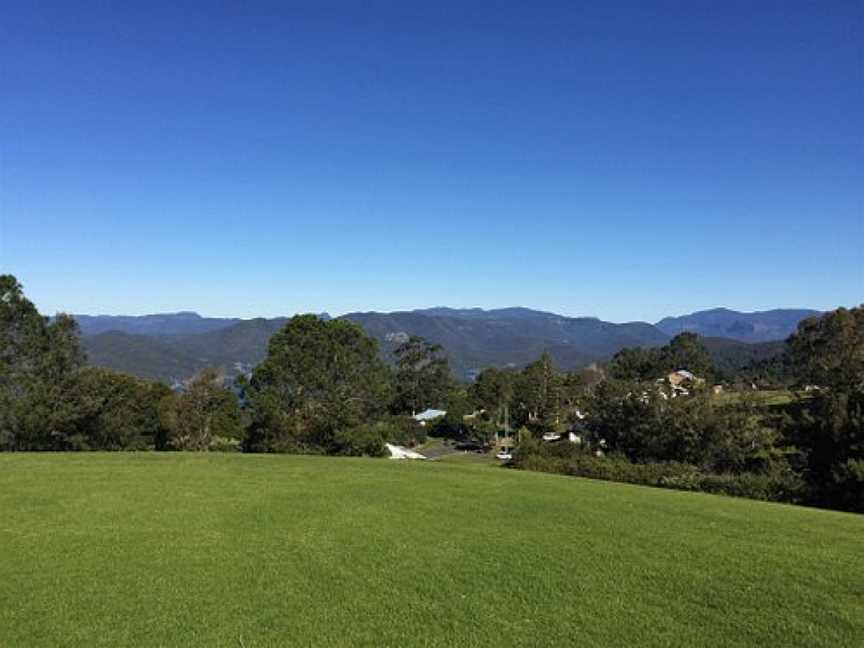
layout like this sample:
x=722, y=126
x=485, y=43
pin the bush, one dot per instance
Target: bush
x=775, y=486
x=362, y=440
x=780, y=484
x=205, y=417
x=402, y=430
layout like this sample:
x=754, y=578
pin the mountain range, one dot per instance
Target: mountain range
x=174, y=346
x=763, y=326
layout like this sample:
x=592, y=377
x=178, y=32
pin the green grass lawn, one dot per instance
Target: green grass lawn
x=765, y=398
x=234, y=550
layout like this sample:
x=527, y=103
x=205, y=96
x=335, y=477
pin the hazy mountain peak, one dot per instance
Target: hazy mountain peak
x=757, y=326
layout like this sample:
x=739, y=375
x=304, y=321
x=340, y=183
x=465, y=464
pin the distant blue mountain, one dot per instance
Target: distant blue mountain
x=514, y=312
x=760, y=326
x=168, y=345
x=162, y=324
x=474, y=338
x=172, y=346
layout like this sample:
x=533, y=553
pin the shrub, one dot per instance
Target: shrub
x=779, y=484
x=365, y=440
x=402, y=430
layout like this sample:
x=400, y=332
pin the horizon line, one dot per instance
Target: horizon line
x=420, y=310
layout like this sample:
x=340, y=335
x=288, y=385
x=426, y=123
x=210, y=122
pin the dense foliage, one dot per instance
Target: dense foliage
x=203, y=417
x=684, y=351
x=39, y=362
x=422, y=376
x=809, y=447
x=320, y=387
x=118, y=412
x=828, y=427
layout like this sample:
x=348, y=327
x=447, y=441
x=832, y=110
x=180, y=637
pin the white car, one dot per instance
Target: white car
x=504, y=455
x=551, y=436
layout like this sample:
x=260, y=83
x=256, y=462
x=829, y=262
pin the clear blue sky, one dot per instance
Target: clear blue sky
x=621, y=159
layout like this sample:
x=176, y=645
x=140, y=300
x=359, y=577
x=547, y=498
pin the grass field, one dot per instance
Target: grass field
x=234, y=550
x=763, y=398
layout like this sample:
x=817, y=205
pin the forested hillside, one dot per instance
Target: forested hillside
x=173, y=347
x=760, y=326
x=473, y=340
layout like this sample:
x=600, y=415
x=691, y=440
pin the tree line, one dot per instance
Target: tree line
x=323, y=388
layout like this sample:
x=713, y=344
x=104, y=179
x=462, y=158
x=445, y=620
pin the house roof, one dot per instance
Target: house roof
x=429, y=415
x=685, y=374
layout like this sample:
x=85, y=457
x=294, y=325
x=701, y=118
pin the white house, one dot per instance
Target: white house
x=429, y=415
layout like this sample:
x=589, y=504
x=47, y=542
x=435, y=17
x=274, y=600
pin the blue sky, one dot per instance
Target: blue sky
x=621, y=159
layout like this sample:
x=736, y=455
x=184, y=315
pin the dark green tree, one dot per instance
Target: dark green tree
x=39, y=360
x=828, y=351
x=205, y=416
x=637, y=363
x=116, y=412
x=422, y=377
x=493, y=393
x=319, y=378
x=537, y=397
x=685, y=351
x=828, y=424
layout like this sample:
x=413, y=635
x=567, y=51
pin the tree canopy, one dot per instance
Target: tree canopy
x=205, y=416
x=684, y=351
x=422, y=379
x=319, y=378
x=39, y=360
x=828, y=425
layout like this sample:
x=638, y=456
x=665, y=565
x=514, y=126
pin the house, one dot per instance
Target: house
x=429, y=415
x=680, y=381
x=401, y=452
x=680, y=377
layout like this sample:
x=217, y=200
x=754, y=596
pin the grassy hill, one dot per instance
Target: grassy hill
x=234, y=550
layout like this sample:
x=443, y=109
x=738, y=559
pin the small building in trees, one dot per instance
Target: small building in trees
x=680, y=377
x=681, y=380
x=429, y=415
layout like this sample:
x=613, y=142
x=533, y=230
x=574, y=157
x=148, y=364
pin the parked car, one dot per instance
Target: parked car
x=504, y=455
x=551, y=436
